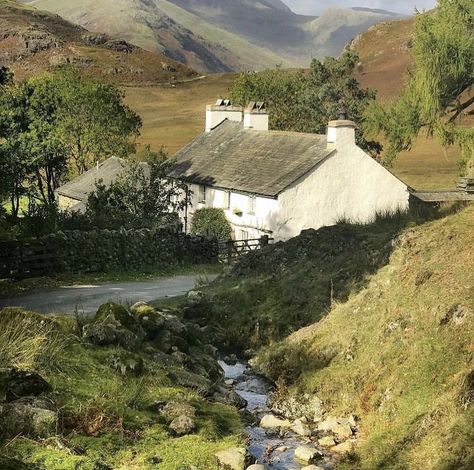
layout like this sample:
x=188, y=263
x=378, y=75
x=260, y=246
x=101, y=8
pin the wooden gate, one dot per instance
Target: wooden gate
x=233, y=249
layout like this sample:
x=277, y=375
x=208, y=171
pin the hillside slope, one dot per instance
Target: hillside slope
x=394, y=341
x=224, y=35
x=34, y=41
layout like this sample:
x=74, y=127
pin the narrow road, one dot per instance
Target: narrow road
x=86, y=299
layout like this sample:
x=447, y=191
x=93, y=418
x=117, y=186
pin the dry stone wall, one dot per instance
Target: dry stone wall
x=105, y=250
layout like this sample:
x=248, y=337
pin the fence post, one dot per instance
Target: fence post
x=229, y=245
x=264, y=241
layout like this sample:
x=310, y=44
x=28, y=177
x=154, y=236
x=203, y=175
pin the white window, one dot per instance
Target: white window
x=252, y=204
x=202, y=194
x=244, y=235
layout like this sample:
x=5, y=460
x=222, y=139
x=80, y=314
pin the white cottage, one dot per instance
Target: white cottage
x=278, y=183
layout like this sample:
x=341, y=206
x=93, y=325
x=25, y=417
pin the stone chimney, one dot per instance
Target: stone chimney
x=341, y=132
x=256, y=116
x=219, y=112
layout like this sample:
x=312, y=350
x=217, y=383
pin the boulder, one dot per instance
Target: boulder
x=195, y=297
x=28, y=416
x=306, y=454
x=118, y=313
x=312, y=467
x=148, y=318
x=343, y=448
x=168, y=342
x=272, y=422
x=231, y=359
x=109, y=331
x=182, y=425
x=257, y=466
x=298, y=406
x=234, y=459
x=229, y=397
x=301, y=428
x=175, y=409
x=127, y=363
x=327, y=441
x=15, y=384
x=339, y=426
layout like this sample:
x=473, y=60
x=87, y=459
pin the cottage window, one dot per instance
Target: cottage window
x=244, y=235
x=202, y=194
x=252, y=204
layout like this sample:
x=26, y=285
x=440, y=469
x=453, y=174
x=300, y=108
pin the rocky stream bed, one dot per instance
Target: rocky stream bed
x=285, y=444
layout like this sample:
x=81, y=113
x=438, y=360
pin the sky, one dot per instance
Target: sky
x=315, y=7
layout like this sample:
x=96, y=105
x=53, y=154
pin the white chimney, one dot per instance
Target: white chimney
x=256, y=116
x=341, y=133
x=219, y=112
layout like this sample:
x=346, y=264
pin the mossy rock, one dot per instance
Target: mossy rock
x=148, y=318
x=119, y=313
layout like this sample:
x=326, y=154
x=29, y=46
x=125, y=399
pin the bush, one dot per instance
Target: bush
x=211, y=222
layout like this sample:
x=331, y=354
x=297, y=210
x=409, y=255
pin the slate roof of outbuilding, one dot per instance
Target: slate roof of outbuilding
x=247, y=160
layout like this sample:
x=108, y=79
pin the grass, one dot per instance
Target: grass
x=398, y=353
x=11, y=288
x=107, y=419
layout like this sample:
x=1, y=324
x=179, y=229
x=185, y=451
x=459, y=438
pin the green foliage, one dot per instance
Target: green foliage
x=437, y=91
x=48, y=122
x=305, y=101
x=141, y=197
x=211, y=222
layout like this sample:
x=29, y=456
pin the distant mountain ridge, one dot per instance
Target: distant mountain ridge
x=33, y=41
x=221, y=35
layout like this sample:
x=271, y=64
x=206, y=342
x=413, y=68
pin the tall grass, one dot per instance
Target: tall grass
x=29, y=341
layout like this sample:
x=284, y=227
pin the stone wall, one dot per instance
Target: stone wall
x=100, y=251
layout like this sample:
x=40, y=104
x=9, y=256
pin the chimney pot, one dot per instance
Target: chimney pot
x=219, y=112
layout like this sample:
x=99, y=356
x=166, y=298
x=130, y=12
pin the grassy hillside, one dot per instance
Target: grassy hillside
x=393, y=343
x=110, y=400
x=34, y=41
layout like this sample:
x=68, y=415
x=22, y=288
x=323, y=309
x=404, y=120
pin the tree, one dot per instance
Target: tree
x=93, y=121
x=142, y=196
x=438, y=90
x=304, y=101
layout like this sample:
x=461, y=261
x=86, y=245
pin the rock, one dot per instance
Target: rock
x=111, y=332
x=282, y=449
x=15, y=384
x=272, y=422
x=229, y=382
x=183, y=425
x=149, y=319
x=306, y=454
x=229, y=397
x=234, y=459
x=127, y=363
x=28, y=416
x=200, y=384
x=343, y=431
x=312, y=467
x=175, y=409
x=195, y=297
x=327, y=441
x=166, y=340
x=339, y=426
x=343, y=448
x=257, y=466
x=231, y=359
x=118, y=313
x=301, y=428
x=294, y=407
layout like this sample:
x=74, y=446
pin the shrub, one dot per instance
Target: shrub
x=211, y=222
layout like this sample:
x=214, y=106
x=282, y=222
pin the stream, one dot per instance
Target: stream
x=255, y=389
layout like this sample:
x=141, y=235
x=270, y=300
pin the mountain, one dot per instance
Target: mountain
x=33, y=41
x=221, y=35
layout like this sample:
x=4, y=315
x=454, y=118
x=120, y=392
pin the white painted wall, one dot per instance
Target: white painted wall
x=214, y=116
x=256, y=121
x=347, y=185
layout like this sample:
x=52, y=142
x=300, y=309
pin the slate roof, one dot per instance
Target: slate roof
x=247, y=160
x=79, y=188
x=443, y=195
